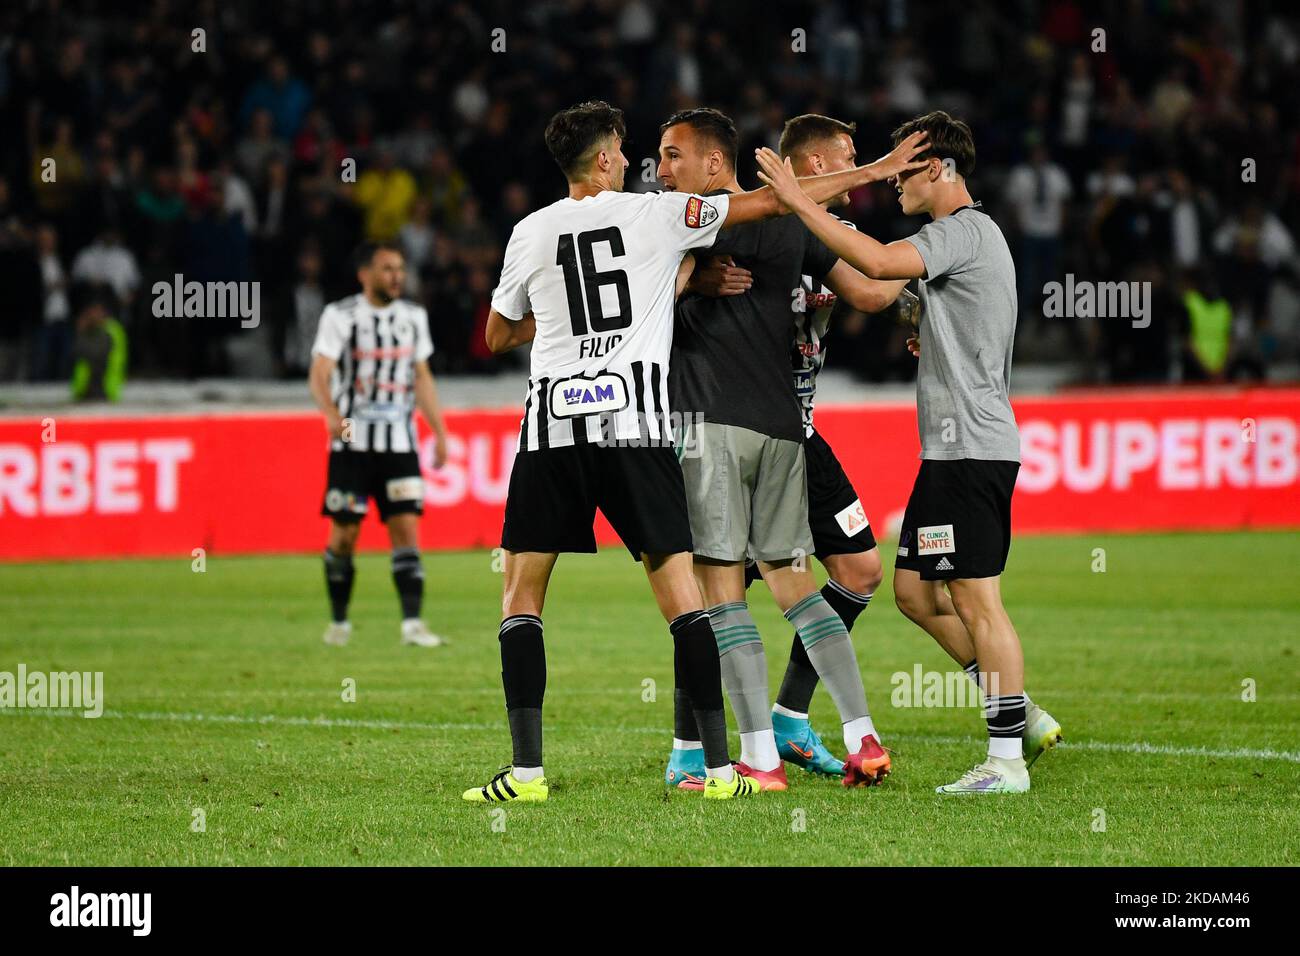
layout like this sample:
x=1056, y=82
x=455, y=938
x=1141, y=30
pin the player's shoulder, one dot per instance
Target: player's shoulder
x=539, y=219
x=405, y=306
x=344, y=309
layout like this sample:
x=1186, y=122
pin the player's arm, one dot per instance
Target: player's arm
x=861, y=293
x=876, y=260
x=766, y=202
x=504, y=334
x=318, y=382
x=426, y=400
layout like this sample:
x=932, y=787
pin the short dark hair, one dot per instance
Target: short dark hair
x=803, y=131
x=364, y=254
x=714, y=125
x=949, y=137
x=573, y=134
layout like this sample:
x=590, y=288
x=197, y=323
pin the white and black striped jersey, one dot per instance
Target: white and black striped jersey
x=374, y=381
x=598, y=275
x=809, y=351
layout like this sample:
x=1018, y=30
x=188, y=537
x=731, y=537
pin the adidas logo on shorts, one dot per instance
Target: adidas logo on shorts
x=944, y=564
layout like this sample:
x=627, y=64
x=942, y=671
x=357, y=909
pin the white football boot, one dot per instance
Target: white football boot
x=994, y=775
x=337, y=634
x=417, y=634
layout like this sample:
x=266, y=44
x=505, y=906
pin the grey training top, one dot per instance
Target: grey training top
x=968, y=325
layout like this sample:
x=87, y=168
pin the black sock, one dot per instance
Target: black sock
x=684, y=726
x=523, y=674
x=800, y=678
x=699, y=674
x=408, y=577
x=339, y=575
x=1005, y=716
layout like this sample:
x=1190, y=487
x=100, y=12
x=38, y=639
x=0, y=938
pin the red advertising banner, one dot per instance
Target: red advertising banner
x=75, y=487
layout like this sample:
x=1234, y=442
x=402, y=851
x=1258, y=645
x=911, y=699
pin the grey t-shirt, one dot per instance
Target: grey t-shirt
x=968, y=325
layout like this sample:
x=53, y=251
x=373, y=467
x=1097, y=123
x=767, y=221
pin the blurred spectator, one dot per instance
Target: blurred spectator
x=385, y=193
x=53, y=350
x=99, y=351
x=1037, y=192
x=283, y=97
x=109, y=262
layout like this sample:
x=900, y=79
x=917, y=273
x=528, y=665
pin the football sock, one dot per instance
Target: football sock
x=800, y=679
x=977, y=678
x=779, y=708
x=339, y=575
x=523, y=674
x=744, y=674
x=683, y=716
x=408, y=576
x=855, y=730
x=827, y=642
x=526, y=774
x=698, y=673
x=680, y=744
x=758, y=750
x=1006, y=720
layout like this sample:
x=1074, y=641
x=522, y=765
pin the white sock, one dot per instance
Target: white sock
x=687, y=744
x=758, y=750
x=1008, y=748
x=722, y=773
x=856, y=729
x=778, y=709
x=526, y=774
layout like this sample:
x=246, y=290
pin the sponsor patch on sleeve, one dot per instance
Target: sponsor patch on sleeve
x=405, y=489
x=936, y=539
x=853, y=519
x=699, y=213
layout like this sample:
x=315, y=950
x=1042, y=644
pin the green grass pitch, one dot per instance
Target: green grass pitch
x=220, y=697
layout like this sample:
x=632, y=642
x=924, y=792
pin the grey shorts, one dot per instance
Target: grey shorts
x=746, y=493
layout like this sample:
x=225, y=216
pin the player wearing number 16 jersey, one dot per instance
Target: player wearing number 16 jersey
x=591, y=281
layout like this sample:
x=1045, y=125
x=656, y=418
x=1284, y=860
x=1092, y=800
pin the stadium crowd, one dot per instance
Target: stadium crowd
x=1165, y=149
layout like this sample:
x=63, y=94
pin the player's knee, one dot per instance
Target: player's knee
x=343, y=538
x=910, y=597
x=863, y=574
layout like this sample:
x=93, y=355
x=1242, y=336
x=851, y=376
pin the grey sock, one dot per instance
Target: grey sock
x=827, y=642
x=744, y=668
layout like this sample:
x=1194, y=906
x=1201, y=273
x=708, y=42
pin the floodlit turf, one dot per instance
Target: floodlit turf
x=222, y=698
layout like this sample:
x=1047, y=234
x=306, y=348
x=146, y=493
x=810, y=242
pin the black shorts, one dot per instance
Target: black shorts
x=835, y=513
x=392, y=478
x=554, y=494
x=958, y=520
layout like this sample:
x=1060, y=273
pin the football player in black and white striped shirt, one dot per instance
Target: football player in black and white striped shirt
x=369, y=372
x=591, y=281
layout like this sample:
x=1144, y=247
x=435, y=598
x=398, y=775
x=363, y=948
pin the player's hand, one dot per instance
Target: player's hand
x=914, y=346
x=902, y=158
x=719, y=276
x=779, y=174
x=439, y=450
x=334, y=425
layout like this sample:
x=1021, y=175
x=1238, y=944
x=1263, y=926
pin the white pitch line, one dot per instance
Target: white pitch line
x=347, y=723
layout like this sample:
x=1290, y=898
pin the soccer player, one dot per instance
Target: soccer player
x=591, y=281
x=957, y=526
x=744, y=467
x=369, y=371
x=843, y=540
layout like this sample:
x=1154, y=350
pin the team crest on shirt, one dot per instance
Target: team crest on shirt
x=699, y=213
x=575, y=396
